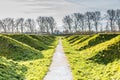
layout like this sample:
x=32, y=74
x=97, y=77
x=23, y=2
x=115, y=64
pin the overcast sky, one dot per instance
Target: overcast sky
x=56, y=8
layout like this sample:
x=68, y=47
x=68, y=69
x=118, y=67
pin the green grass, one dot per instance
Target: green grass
x=47, y=40
x=10, y=70
x=37, y=44
x=23, y=61
x=94, y=40
x=81, y=40
x=99, y=62
x=37, y=69
x=13, y=49
x=75, y=39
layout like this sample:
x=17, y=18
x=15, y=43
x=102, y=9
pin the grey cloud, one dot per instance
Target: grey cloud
x=60, y=8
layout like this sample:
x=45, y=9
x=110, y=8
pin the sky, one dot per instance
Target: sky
x=56, y=8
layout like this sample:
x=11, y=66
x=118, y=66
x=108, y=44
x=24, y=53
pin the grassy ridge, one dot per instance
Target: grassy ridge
x=94, y=40
x=10, y=70
x=98, y=62
x=37, y=44
x=77, y=42
x=29, y=57
x=13, y=49
x=75, y=39
x=47, y=40
x=109, y=52
x=38, y=68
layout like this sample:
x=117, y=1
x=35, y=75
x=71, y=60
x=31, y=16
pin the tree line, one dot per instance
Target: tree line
x=74, y=23
x=92, y=22
x=21, y=25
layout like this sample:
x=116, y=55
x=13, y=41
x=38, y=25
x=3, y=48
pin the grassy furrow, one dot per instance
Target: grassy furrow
x=75, y=39
x=24, y=58
x=13, y=49
x=29, y=41
x=94, y=40
x=99, y=62
x=10, y=70
x=81, y=40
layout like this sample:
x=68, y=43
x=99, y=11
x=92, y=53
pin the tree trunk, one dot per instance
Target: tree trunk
x=21, y=28
x=96, y=26
x=111, y=25
x=119, y=27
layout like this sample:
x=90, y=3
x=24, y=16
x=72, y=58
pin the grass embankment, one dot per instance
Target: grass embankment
x=99, y=61
x=94, y=40
x=10, y=70
x=38, y=68
x=37, y=44
x=15, y=50
x=28, y=61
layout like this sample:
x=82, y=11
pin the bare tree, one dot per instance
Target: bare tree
x=96, y=19
x=3, y=26
x=12, y=25
x=6, y=24
x=30, y=25
x=76, y=21
x=52, y=24
x=40, y=20
x=21, y=23
x=111, y=16
x=88, y=17
x=82, y=19
x=67, y=20
x=118, y=18
x=17, y=25
x=47, y=25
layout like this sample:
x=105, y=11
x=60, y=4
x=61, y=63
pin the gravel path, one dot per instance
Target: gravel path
x=59, y=69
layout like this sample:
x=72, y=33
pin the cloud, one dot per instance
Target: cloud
x=55, y=8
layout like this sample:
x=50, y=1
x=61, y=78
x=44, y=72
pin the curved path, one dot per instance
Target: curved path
x=59, y=69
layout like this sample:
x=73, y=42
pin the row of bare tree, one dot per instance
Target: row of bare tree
x=92, y=21
x=20, y=25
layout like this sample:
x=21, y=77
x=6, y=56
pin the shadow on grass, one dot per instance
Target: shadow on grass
x=22, y=56
x=97, y=40
x=11, y=70
x=67, y=52
x=47, y=40
x=12, y=49
x=106, y=56
x=18, y=51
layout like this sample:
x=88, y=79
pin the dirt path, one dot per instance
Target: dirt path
x=59, y=69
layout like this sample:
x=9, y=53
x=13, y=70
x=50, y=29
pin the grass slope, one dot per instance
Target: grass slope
x=99, y=62
x=27, y=63
x=37, y=69
x=10, y=70
x=47, y=40
x=94, y=40
x=13, y=49
x=75, y=39
x=81, y=40
x=29, y=41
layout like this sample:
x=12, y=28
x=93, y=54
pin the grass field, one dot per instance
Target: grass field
x=91, y=57
x=25, y=57
x=95, y=58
